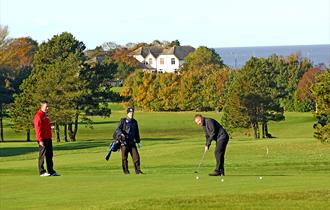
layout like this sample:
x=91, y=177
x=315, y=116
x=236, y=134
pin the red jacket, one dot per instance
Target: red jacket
x=42, y=126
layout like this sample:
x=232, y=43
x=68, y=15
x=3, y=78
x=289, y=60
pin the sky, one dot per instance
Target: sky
x=211, y=23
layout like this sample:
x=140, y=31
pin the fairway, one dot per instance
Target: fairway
x=291, y=171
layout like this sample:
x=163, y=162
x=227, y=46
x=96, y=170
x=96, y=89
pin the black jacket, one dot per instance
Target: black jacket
x=130, y=128
x=213, y=131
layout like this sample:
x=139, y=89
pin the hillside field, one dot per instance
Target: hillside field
x=291, y=171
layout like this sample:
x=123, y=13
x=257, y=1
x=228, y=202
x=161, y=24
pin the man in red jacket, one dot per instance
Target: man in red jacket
x=43, y=131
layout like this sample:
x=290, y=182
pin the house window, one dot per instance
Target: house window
x=173, y=61
x=150, y=61
x=161, y=61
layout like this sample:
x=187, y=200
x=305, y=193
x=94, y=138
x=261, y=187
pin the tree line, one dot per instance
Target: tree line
x=77, y=83
x=59, y=71
x=249, y=97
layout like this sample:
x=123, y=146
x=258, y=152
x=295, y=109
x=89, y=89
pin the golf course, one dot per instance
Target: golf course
x=290, y=171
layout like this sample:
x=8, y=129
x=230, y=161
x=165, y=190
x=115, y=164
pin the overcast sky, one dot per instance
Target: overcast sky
x=213, y=23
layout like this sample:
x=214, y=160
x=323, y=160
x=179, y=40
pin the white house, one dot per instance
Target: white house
x=162, y=59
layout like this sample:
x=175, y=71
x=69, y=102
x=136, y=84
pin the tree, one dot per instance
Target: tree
x=289, y=71
x=98, y=79
x=22, y=111
x=259, y=94
x=162, y=94
x=141, y=99
x=3, y=34
x=58, y=48
x=126, y=64
x=200, y=86
x=107, y=46
x=213, y=88
x=305, y=100
x=175, y=43
x=199, y=82
x=157, y=43
x=131, y=87
x=233, y=115
x=5, y=98
x=130, y=45
x=321, y=92
x=122, y=55
x=202, y=56
x=190, y=97
x=58, y=64
x=15, y=65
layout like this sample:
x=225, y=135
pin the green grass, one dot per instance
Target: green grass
x=295, y=172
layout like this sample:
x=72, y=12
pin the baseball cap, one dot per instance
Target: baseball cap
x=130, y=109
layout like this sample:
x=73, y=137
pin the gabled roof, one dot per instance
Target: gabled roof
x=179, y=51
x=144, y=51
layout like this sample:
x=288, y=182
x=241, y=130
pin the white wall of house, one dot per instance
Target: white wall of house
x=164, y=63
x=170, y=62
x=151, y=60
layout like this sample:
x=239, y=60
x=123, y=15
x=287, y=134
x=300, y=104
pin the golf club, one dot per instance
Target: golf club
x=200, y=162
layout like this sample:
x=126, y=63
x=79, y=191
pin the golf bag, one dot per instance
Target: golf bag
x=116, y=142
x=114, y=147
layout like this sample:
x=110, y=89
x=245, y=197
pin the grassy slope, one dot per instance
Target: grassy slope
x=295, y=172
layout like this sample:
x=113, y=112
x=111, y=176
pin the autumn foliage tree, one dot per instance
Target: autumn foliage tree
x=202, y=79
x=199, y=86
x=16, y=56
x=152, y=92
x=305, y=101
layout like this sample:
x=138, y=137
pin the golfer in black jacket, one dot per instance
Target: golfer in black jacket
x=128, y=130
x=214, y=131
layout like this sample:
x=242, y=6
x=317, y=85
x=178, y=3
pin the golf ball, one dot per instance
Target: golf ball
x=260, y=177
x=197, y=177
x=222, y=180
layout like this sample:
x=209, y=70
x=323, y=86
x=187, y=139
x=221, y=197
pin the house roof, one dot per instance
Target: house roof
x=144, y=51
x=179, y=51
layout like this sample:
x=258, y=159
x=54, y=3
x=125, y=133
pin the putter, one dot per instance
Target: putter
x=200, y=162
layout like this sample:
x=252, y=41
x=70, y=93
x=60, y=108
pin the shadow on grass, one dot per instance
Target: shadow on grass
x=81, y=145
x=99, y=123
x=13, y=151
x=160, y=139
x=6, y=152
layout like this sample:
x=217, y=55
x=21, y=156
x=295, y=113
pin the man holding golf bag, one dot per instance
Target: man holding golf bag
x=214, y=131
x=128, y=131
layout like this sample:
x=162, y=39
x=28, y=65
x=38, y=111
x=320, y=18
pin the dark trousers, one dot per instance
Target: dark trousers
x=219, y=153
x=135, y=156
x=46, y=151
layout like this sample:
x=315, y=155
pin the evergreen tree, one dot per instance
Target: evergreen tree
x=233, y=115
x=259, y=94
x=289, y=71
x=58, y=64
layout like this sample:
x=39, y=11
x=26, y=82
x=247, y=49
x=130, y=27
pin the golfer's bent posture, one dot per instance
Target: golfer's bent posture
x=128, y=130
x=214, y=131
x=44, y=136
